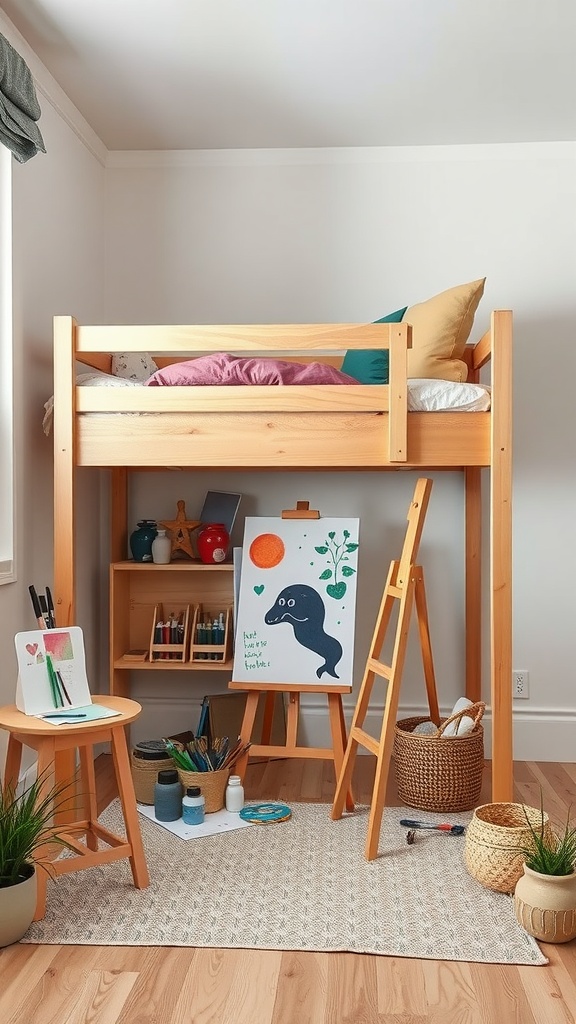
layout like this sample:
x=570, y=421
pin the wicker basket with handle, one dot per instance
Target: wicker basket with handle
x=212, y=786
x=495, y=839
x=437, y=772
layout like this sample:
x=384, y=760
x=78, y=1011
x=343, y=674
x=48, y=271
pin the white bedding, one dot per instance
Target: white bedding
x=424, y=395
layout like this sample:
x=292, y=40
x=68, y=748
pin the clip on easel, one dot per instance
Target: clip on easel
x=255, y=690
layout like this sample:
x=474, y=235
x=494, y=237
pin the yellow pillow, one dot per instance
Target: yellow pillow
x=440, y=330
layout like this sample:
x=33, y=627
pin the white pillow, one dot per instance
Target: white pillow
x=426, y=394
x=92, y=379
x=133, y=365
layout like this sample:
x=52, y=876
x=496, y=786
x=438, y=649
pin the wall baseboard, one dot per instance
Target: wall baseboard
x=540, y=734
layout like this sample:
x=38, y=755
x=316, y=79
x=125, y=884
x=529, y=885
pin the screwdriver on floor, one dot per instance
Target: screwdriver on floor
x=454, y=830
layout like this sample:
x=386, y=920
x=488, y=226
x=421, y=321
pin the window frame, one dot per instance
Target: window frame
x=7, y=512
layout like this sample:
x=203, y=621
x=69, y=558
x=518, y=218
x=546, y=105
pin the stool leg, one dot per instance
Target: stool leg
x=12, y=766
x=128, y=801
x=88, y=792
x=46, y=752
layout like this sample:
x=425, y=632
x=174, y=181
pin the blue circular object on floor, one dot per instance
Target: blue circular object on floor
x=264, y=813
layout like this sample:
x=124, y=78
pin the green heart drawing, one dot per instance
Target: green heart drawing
x=336, y=590
x=259, y=590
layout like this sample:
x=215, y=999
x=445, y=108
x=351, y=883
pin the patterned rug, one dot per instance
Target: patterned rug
x=301, y=884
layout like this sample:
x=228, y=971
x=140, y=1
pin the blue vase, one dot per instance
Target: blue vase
x=141, y=540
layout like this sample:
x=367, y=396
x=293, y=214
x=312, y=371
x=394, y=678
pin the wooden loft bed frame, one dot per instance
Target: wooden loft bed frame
x=325, y=427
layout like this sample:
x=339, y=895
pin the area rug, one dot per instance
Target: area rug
x=302, y=884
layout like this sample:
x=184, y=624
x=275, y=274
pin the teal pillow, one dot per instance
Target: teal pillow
x=370, y=366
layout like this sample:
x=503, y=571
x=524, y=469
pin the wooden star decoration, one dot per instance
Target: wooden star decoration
x=179, y=531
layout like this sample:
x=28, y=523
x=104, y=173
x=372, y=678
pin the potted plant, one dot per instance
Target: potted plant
x=25, y=826
x=545, y=895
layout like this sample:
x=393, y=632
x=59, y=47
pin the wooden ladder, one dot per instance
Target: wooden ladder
x=405, y=584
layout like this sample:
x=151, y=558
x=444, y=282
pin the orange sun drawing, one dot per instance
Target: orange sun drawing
x=267, y=550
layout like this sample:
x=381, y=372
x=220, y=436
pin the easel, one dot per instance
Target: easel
x=290, y=748
x=405, y=583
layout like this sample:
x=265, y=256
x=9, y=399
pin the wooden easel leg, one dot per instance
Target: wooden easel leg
x=389, y=722
x=361, y=709
x=246, y=729
x=292, y=716
x=268, y=718
x=425, y=644
x=338, y=729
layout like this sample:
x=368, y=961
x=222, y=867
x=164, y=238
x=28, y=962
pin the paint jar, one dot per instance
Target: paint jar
x=168, y=795
x=193, y=806
x=234, y=794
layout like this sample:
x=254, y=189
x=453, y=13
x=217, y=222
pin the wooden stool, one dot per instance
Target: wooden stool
x=48, y=740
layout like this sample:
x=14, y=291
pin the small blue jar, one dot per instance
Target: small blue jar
x=168, y=795
x=193, y=806
x=141, y=540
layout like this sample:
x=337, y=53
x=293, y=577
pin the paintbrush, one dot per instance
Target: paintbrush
x=454, y=830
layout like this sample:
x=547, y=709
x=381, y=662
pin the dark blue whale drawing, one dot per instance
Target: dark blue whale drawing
x=303, y=609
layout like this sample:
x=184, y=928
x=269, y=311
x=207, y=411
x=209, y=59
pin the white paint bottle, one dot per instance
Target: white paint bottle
x=234, y=794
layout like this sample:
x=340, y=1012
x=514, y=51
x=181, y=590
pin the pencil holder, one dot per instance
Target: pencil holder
x=212, y=786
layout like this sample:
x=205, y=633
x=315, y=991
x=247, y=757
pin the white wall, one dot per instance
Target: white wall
x=351, y=235
x=58, y=201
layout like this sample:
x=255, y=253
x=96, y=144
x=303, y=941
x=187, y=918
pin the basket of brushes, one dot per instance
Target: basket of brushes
x=206, y=764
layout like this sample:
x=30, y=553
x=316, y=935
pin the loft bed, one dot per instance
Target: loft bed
x=321, y=427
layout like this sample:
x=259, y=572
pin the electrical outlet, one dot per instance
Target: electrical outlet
x=520, y=687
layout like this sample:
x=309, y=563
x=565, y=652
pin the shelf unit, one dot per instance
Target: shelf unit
x=138, y=588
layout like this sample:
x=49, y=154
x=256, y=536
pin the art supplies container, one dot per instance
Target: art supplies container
x=193, y=806
x=234, y=794
x=168, y=796
x=212, y=786
x=147, y=759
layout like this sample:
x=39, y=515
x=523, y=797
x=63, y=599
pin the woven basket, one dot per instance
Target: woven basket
x=495, y=838
x=212, y=786
x=436, y=772
x=145, y=774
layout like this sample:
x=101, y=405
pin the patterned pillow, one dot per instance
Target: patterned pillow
x=136, y=366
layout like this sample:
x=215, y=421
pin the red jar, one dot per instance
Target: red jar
x=213, y=541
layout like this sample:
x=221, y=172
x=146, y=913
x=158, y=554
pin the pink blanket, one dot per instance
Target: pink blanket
x=223, y=368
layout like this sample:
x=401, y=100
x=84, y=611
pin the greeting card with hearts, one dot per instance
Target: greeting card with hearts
x=51, y=670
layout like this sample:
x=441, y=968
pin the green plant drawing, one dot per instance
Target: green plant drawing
x=338, y=553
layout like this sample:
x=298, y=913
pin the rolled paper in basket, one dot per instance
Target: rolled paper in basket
x=212, y=786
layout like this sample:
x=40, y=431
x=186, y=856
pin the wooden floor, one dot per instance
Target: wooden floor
x=171, y=985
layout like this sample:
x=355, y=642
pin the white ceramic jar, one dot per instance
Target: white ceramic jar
x=234, y=794
x=161, y=548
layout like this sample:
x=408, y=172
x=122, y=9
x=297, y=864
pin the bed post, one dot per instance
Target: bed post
x=501, y=556
x=64, y=460
x=473, y=581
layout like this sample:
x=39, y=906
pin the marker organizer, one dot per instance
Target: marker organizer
x=169, y=634
x=211, y=634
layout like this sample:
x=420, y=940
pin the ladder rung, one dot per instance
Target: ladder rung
x=378, y=668
x=366, y=740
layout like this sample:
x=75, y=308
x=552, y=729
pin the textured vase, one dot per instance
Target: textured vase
x=17, y=906
x=545, y=905
x=161, y=548
x=213, y=541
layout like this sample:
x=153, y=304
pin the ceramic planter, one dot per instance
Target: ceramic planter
x=545, y=905
x=17, y=907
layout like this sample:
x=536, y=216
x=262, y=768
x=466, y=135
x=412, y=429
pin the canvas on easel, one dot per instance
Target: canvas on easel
x=297, y=602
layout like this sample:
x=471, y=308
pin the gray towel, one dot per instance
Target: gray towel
x=19, y=108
